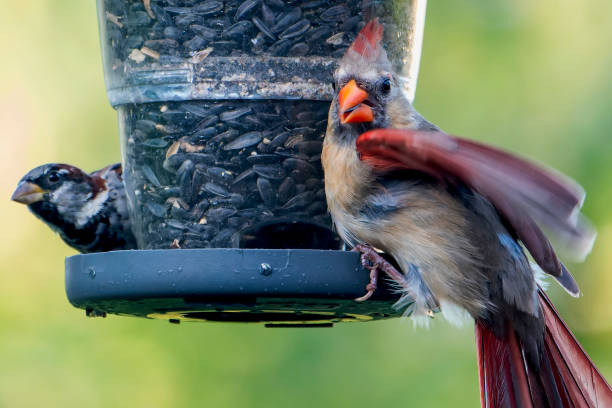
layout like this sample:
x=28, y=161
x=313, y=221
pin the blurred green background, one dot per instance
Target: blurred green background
x=533, y=77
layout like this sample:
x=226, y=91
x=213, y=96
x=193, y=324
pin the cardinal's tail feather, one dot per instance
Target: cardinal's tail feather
x=576, y=369
x=501, y=371
x=565, y=377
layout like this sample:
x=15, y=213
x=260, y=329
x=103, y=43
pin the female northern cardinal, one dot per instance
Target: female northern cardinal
x=88, y=211
x=453, y=214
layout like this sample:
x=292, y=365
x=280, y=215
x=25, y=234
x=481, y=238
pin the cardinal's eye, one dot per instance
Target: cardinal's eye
x=53, y=177
x=385, y=85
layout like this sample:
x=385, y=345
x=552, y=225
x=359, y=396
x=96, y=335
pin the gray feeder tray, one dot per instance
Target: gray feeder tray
x=278, y=287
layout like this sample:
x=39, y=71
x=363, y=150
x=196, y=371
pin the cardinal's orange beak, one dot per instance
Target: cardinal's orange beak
x=352, y=108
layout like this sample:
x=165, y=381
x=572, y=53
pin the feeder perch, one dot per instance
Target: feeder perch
x=282, y=287
x=222, y=108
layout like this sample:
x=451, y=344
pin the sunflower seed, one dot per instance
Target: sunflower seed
x=150, y=175
x=227, y=135
x=313, y=4
x=184, y=179
x=235, y=114
x=216, y=189
x=276, y=3
x=216, y=215
x=298, y=50
x=186, y=20
x=158, y=143
x=309, y=147
x=245, y=8
x=267, y=14
x=238, y=30
x=301, y=165
x=286, y=190
x=266, y=191
x=195, y=43
x=178, y=10
x=246, y=140
x=157, y=210
x=288, y=18
x=271, y=171
x=202, y=134
x=263, y=28
x=280, y=47
x=299, y=201
x=208, y=7
x=220, y=175
x=244, y=175
x=138, y=18
x=205, y=32
x=295, y=30
x=335, y=13
x=263, y=158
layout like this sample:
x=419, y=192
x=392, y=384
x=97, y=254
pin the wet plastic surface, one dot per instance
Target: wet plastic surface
x=280, y=288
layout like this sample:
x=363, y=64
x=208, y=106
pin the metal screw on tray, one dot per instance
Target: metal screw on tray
x=222, y=109
x=265, y=269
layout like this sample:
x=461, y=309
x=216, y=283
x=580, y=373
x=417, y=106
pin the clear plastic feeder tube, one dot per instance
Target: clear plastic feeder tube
x=223, y=106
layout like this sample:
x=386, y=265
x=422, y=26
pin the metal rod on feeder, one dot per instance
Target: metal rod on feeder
x=411, y=61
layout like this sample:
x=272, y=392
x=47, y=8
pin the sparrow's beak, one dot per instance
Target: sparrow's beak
x=352, y=103
x=28, y=193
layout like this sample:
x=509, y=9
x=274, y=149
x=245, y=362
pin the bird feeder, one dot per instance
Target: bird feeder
x=222, y=108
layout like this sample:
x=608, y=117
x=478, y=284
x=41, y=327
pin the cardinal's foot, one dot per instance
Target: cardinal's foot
x=370, y=287
x=374, y=262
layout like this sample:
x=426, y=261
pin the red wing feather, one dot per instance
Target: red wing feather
x=523, y=193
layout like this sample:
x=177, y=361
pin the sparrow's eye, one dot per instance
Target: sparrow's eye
x=385, y=85
x=53, y=177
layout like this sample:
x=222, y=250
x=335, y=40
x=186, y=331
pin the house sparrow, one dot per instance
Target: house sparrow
x=456, y=217
x=89, y=211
